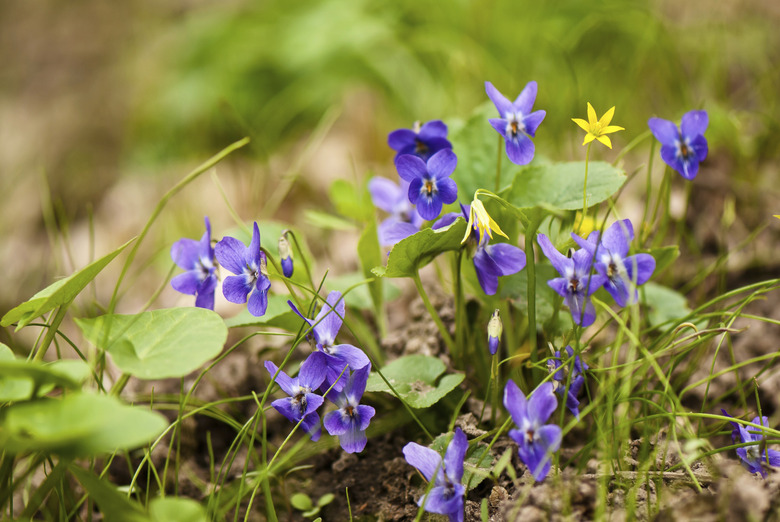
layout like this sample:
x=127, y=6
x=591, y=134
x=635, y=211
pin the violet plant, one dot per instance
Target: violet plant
x=642, y=348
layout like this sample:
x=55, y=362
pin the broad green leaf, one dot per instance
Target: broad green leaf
x=359, y=297
x=161, y=343
x=476, y=464
x=6, y=354
x=78, y=425
x=57, y=294
x=370, y=254
x=664, y=256
x=665, y=304
x=476, y=144
x=327, y=221
x=112, y=503
x=20, y=379
x=351, y=201
x=559, y=185
x=173, y=509
x=417, y=250
x=414, y=378
x=278, y=314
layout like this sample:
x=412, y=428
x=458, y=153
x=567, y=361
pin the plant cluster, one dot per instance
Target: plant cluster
x=595, y=264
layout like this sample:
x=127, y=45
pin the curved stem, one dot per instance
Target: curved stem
x=585, y=185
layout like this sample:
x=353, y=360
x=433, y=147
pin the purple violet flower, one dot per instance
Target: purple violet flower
x=197, y=258
x=350, y=420
x=430, y=186
x=752, y=456
x=423, y=141
x=251, y=269
x=325, y=327
x=302, y=403
x=560, y=370
x=536, y=440
x=684, y=148
x=576, y=283
x=404, y=219
x=622, y=273
x=517, y=124
x=446, y=495
x=490, y=261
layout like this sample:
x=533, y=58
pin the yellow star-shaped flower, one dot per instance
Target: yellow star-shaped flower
x=481, y=220
x=597, y=128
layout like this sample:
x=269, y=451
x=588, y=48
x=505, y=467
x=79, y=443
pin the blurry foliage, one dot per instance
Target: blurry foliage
x=271, y=69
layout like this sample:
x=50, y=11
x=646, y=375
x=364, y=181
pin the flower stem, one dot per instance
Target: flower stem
x=495, y=377
x=498, y=165
x=585, y=185
x=648, y=192
x=530, y=269
x=460, y=321
x=445, y=335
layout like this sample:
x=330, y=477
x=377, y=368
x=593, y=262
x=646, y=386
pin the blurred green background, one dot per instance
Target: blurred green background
x=104, y=105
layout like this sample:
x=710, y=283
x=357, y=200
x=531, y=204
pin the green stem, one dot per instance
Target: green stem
x=585, y=186
x=498, y=165
x=445, y=335
x=496, y=378
x=530, y=269
x=648, y=192
x=51, y=332
x=460, y=321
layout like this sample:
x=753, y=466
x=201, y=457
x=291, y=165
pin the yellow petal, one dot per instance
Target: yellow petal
x=582, y=123
x=604, y=121
x=485, y=223
x=588, y=138
x=592, y=118
x=605, y=140
x=469, y=226
x=611, y=128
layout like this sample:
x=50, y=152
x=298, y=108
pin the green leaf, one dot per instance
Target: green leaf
x=417, y=250
x=77, y=425
x=414, y=378
x=559, y=185
x=326, y=499
x=664, y=256
x=173, y=509
x=301, y=502
x=20, y=378
x=278, y=314
x=351, y=201
x=476, y=464
x=57, y=294
x=113, y=504
x=327, y=221
x=370, y=254
x=665, y=305
x=476, y=144
x=160, y=343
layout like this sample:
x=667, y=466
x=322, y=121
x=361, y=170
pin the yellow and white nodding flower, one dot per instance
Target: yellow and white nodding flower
x=480, y=220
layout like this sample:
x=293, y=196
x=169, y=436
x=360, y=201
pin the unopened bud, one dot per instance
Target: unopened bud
x=285, y=254
x=495, y=327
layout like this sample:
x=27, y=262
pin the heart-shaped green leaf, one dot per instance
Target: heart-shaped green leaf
x=416, y=379
x=160, y=343
x=417, y=250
